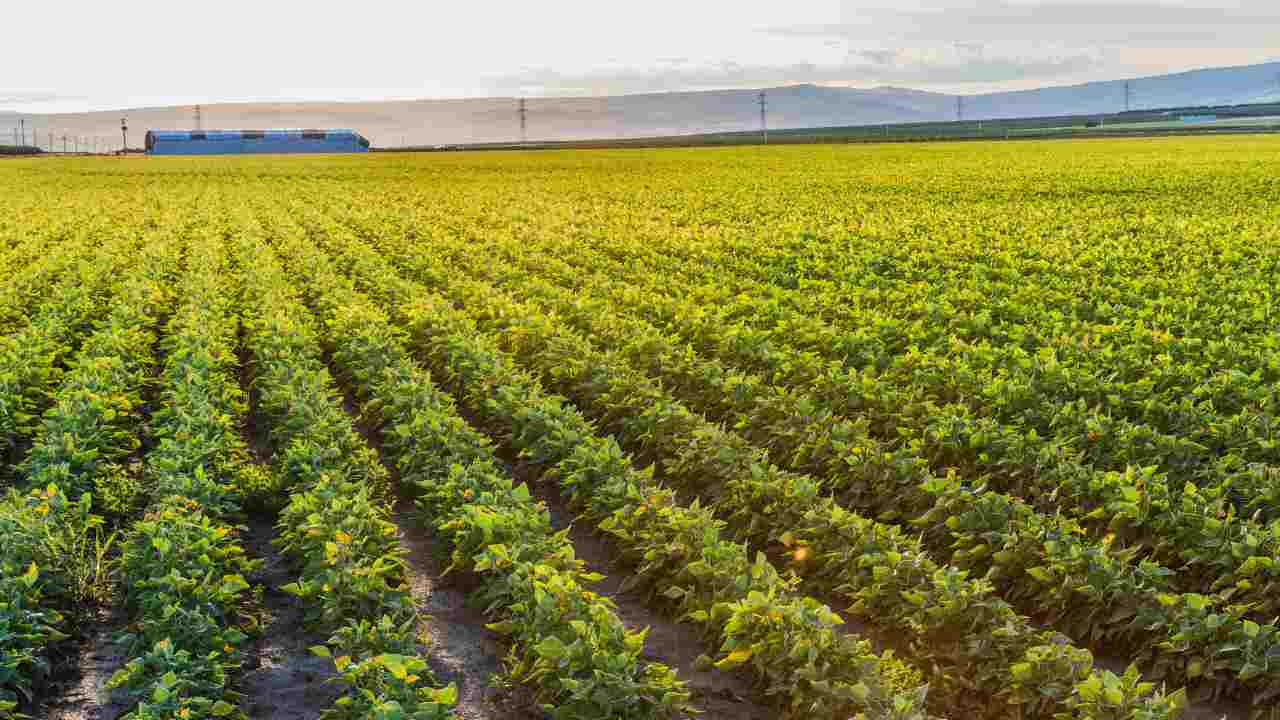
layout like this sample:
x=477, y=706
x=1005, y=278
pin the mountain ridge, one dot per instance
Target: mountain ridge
x=803, y=105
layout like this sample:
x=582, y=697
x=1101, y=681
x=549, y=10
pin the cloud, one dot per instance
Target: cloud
x=958, y=64
x=15, y=100
x=963, y=63
x=879, y=57
x=1078, y=23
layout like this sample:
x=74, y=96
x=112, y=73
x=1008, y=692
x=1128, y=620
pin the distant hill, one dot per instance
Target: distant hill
x=421, y=122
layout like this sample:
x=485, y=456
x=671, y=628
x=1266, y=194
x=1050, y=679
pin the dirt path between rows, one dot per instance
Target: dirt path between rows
x=461, y=649
x=283, y=680
x=465, y=652
x=80, y=690
x=719, y=695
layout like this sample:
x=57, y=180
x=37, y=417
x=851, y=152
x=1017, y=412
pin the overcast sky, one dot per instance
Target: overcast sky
x=75, y=56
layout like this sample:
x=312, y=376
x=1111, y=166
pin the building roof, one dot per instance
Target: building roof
x=243, y=134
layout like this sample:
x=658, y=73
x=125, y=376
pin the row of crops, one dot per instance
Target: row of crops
x=899, y=432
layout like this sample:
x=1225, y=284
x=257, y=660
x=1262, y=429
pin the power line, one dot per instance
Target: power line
x=523, y=110
x=764, y=116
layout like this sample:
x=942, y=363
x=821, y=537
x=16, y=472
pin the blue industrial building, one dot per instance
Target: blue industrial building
x=243, y=142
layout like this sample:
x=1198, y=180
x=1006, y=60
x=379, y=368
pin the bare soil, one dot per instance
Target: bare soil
x=282, y=679
x=79, y=691
x=462, y=650
x=717, y=694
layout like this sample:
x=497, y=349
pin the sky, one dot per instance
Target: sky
x=84, y=55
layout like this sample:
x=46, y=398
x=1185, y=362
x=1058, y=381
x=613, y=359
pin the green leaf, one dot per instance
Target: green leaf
x=551, y=648
x=860, y=692
x=232, y=584
x=395, y=664
x=735, y=658
x=447, y=695
x=1040, y=574
x=1090, y=689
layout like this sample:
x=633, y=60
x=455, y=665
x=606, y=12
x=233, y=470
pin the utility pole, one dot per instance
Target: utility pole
x=64, y=144
x=764, y=116
x=959, y=108
x=22, y=123
x=199, y=121
x=124, y=136
x=1128, y=95
x=523, y=109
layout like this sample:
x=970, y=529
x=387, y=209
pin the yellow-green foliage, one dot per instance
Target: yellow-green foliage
x=1012, y=404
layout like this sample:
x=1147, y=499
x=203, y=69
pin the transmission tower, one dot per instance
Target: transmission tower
x=523, y=109
x=199, y=120
x=764, y=116
x=959, y=108
x=1128, y=95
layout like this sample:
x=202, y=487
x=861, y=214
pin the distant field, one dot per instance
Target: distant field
x=1260, y=122
x=1190, y=128
x=886, y=431
x=1258, y=118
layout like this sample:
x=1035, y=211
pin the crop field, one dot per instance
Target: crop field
x=982, y=430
